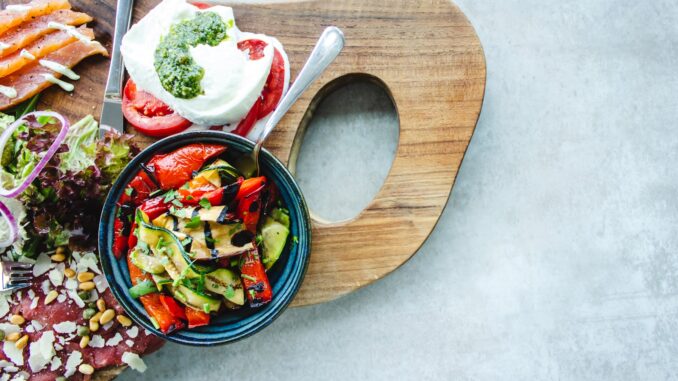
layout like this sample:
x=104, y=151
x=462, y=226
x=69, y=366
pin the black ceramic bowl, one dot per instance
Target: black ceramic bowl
x=285, y=276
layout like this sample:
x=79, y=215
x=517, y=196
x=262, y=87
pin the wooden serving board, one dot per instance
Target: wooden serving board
x=426, y=55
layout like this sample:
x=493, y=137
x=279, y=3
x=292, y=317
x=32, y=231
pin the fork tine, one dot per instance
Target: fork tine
x=15, y=278
x=15, y=287
x=21, y=272
x=18, y=265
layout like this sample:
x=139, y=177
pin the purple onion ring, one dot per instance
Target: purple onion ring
x=4, y=138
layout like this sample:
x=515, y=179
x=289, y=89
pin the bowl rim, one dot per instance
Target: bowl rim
x=106, y=258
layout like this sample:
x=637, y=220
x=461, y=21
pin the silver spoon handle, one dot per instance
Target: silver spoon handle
x=325, y=51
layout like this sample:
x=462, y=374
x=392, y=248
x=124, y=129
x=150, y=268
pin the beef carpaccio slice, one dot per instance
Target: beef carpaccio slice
x=53, y=348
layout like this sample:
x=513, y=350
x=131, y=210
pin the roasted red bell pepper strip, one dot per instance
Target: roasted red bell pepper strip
x=249, y=202
x=218, y=196
x=152, y=303
x=173, y=307
x=196, y=318
x=250, y=186
x=254, y=279
x=154, y=207
x=119, y=239
x=174, y=169
x=132, y=240
x=249, y=211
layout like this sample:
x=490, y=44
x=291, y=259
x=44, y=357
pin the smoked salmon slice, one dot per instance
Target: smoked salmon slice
x=22, y=35
x=31, y=79
x=40, y=48
x=14, y=15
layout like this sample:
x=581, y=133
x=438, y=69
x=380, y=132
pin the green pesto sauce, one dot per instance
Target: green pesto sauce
x=179, y=74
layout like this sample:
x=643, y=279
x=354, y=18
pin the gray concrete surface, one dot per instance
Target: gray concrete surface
x=557, y=255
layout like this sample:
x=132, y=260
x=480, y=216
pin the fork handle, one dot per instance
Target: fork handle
x=123, y=17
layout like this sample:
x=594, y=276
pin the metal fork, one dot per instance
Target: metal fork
x=15, y=275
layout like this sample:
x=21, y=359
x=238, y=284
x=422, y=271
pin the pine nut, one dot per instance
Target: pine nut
x=86, y=369
x=86, y=286
x=58, y=257
x=101, y=305
x=96, y=317
x=22, y=342
x=49, y=298
x=84, y=342
x=124, y=320
x=17, y=319
x=14, y=336
x=107, y=316
x=70, y=273
x=93, y=326
x=85, y=276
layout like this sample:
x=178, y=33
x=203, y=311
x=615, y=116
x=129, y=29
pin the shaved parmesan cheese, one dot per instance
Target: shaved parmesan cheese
x=61, y=298
x=71, y=284
x=74, y=359
x=97, y=342
x=134, y=361
x=129, y=343
x=56, y=363
x=107, y=326
x=56, y=276
x=42, y=264
x=9, y=328
x=85, y=262
x=45, y=286
x=41, y=352
x=34, y=303
x=115, y=340
x=31, y=294
x=65, y=327
x=101, y=282
x=4, y=305
x=37, y=325
x=76, y=299
x=14, y=354
x=133, y=332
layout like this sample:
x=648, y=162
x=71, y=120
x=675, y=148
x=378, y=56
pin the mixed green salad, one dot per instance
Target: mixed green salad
x=62, y=174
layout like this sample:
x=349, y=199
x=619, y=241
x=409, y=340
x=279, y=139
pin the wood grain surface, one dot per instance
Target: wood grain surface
x=424, y=53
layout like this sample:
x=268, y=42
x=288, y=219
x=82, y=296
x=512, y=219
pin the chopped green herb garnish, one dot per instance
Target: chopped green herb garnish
x=205, y=203
x=253, y=294
x=206, y=308
x=210, y=240
x=235, y=262
x=142, y=288
x=169, y=196
x=251, y=278
x=295, y=239
x=230, y=292
x=189, y=197
x=177, y=203
x=193, y=223
x=128, y=191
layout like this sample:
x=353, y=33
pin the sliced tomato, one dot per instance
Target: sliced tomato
x=273, y=88
x=200, y=5
x=245, y=125
x=148, y=114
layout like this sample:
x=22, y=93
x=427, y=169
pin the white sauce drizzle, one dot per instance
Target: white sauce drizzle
x=64, y=85
x=59, y=68
x=26, y=54
x=7, y=91
x=70, y=29
x=17, y=7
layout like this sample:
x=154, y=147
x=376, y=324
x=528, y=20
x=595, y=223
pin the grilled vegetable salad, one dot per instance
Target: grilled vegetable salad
x=199, y=234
